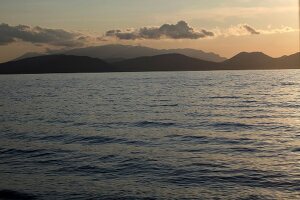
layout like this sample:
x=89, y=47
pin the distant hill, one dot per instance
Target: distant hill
x=258, y=60
x=116, y=51
x=54, y=64
x=165, y=62
x=287, y=61
x=178, y=62
x=196, y=54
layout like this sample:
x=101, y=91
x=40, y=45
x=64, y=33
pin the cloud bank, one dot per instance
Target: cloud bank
x=181, y=30
x=38, y=35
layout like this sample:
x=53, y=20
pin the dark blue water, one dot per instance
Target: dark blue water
x=161, y=135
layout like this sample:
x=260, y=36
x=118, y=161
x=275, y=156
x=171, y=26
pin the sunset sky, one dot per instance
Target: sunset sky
x=226, y=27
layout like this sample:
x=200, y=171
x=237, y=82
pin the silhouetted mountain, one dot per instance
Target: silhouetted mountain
x=54, y=64
x=166, y=62
x=289, y=61
x=177, y=62
x=113, y=60
x=258, y=60
x=109, y=52
x=196, y=54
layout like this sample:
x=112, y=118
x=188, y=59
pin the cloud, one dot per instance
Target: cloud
x=251, y=30
x=245, y=29
x=240, y=30
x=59, y=38
x=181, y=30
x=38, y=36
x=282, y=29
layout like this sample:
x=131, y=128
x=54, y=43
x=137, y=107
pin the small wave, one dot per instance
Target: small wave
x=249, y=101
x=193, y=137
x=149, y=124
x=173, y=136
x=289, y=105
x=136, y=143
x=231, y=125
x=162, y=100
x=207, y=165
x=130, y=166
x=164, y=105
x=232, y=141
x=256, y=197
x=91, y=169
x=224, y=97
x=108, y=157
x=80, y=124
x=288, y=83
x=53, y=137
x=31, y=153
x=95, y=140
x=16, y=151
x=15, y=195
x=84, y=170
x=223, y=177
x=127, y=198
x=244, y=149
x=296, y=150
x=59, y=121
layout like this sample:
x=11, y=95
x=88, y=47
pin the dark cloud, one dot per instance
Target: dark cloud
x=38, y=35
x=181, y=30
x=251, y=30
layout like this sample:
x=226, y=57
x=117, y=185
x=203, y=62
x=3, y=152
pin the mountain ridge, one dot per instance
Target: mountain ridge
x=117, y=51
x=258, y=60
x=164, y=62
x=54, y=64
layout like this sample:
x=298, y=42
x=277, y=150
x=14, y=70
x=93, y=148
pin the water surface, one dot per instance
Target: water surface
x=157, y=135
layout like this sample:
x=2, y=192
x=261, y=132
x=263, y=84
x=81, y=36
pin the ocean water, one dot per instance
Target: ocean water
x=158, y=135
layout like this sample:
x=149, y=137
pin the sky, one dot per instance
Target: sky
x=225, y=27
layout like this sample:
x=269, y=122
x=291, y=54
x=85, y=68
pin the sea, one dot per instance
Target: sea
x=219, y=135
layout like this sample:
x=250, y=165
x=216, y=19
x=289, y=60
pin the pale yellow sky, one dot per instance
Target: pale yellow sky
x=276, y=21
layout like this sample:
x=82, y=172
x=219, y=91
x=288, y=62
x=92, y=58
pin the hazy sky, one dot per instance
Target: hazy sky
x=225, y=27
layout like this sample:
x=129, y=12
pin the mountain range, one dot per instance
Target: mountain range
x=165, y=62
x=54, y=64
x=116, y=52
x=258, y=60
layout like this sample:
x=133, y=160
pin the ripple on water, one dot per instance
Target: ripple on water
x=164, y=105
x=296, y=150
x=153, y=124
x=15, y=195
x=96, y=139
x=231, y=126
